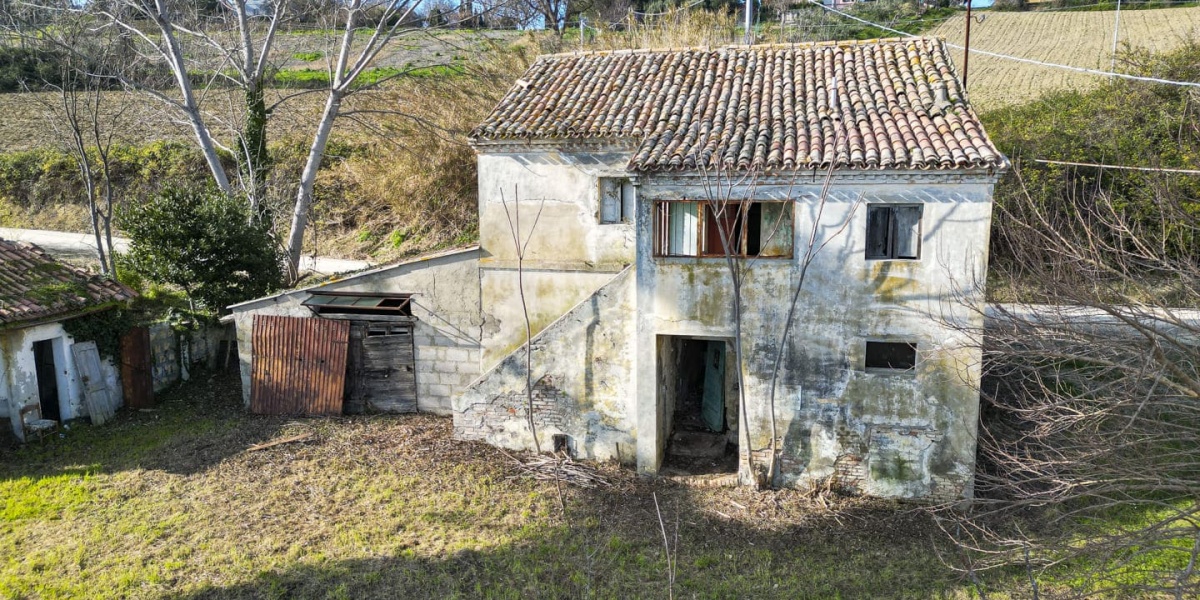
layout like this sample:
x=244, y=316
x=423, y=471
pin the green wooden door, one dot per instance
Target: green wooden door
x=712, y=408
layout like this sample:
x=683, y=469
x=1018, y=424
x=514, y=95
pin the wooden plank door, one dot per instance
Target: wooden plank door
x=299, y=365
x=386, y=378
x=96, y=396
x=137, y=378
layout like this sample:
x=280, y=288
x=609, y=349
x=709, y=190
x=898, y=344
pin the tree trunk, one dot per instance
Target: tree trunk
x=255, y=161
x=304, y=195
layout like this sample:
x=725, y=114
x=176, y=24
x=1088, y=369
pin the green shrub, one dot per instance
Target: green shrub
x=20, y=67
x=204, y=242
x=36, y=178
x=1121, y=123
x=308, y=56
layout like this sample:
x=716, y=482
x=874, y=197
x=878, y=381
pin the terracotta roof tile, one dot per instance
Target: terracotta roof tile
x=897, y=105
x=34, y=286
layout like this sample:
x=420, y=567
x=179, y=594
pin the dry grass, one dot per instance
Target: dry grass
x=1081, y=39
x=171, y=504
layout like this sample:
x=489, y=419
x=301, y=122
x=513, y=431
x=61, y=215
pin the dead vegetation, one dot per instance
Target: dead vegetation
x=174, y=503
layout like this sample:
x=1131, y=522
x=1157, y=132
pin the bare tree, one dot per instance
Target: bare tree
x=1090, y=438
x=87, y=126
x=553, y=13
x=519, y=247
x=728, y=197
x=354, y=53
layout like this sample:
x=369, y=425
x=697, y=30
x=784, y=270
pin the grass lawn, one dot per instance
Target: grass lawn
x=170, y=503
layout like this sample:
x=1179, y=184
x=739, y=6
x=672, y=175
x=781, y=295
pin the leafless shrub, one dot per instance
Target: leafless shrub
x=1090, y=439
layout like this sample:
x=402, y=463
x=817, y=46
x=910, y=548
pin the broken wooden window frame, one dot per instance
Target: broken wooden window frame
x=682, y=229
x=887, y=221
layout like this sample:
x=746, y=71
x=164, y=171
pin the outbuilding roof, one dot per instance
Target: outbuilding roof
x=875, y=104
x=34, y=286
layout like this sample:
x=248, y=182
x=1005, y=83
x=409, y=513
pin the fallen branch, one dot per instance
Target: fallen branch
x=288, y=440
x=559, y=468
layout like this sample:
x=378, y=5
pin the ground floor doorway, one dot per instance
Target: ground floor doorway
x=699, y=403
x=46, y=370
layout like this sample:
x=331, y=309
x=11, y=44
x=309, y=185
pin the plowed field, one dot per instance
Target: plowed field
x=1081, y=39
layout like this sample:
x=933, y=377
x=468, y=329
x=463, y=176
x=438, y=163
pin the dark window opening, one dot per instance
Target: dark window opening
x=740, y=229
x=898, y=356
x=360, y=303
x=894, y=231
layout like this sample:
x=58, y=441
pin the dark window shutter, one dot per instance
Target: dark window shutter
x=877, y=231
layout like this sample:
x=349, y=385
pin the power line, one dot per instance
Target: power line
x=667, y=12
x=1121, y=167
x=1018, y=58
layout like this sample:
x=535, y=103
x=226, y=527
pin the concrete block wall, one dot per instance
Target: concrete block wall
x=445, y=367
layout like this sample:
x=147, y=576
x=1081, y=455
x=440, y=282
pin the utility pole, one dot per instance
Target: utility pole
x=1116, y=30
x=967, y=47
x=749, y=39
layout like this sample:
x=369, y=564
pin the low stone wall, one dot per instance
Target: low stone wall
x=164, y=356
x=171, y=352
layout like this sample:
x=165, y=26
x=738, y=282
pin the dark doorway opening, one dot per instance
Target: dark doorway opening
x=47, y=379
x=701, y=439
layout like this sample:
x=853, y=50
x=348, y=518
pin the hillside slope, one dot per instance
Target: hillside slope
x=1081, y=39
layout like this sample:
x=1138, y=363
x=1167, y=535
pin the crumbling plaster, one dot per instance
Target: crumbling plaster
x=913, y=433
x=445, y=337
x=18, y=373
x=581, y=365
x=554, y=197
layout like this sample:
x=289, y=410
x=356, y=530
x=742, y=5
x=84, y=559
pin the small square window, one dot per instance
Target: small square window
x=616, y=200
x=893, y=356
x=894, y=231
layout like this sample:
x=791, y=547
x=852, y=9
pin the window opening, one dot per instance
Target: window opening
x=616, y=200
x=359, y=303
x=693, y=228
x=895, y=356
x=894, y=231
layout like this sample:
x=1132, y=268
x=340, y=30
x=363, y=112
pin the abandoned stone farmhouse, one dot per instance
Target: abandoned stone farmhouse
x=619, y=193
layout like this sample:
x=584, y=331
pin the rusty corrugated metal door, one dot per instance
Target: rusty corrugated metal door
x=299, y=365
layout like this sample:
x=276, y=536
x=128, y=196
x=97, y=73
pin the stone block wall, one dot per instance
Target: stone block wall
x=164, y=356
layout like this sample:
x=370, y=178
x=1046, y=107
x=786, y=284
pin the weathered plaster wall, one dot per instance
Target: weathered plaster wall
x=164, y=356
x=19, y=384
x=897, y=435
x=445, y=337
x=569, y=253
x=581, y=366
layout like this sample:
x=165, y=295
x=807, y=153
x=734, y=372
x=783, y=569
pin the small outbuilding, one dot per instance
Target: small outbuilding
x=46, y=376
